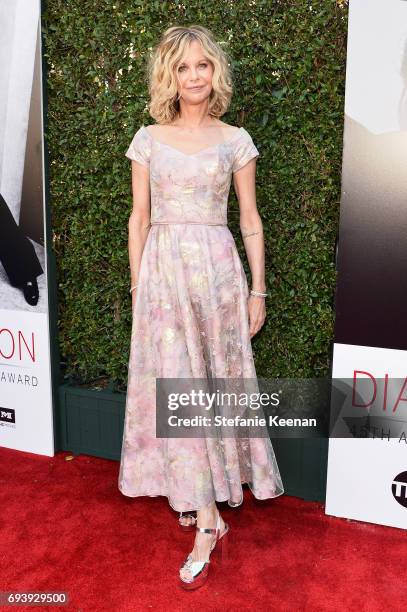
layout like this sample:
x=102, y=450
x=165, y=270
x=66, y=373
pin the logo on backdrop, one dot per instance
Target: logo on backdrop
x=399, y=489
x=7, y=415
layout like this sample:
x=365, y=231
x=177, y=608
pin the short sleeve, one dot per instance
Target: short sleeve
x=140, y=147
x=244, y=151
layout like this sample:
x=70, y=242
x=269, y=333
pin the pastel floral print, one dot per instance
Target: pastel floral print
x=190, y=320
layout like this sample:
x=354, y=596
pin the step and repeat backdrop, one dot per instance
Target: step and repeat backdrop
x=26, y=415
x=367, y=475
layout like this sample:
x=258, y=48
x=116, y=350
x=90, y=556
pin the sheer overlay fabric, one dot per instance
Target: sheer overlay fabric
x=190, y=320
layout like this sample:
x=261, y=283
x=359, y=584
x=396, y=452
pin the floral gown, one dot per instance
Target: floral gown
x=190, y=320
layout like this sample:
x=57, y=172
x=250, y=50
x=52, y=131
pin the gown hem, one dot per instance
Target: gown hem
x=188, y=509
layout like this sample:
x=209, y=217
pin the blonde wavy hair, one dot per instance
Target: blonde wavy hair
x=162, y=83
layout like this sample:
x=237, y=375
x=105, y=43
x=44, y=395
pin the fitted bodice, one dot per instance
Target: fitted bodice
x=191, y=187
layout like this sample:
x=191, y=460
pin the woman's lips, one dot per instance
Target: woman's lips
x=196, y=88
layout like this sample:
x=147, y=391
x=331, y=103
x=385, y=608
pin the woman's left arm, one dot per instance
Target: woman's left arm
x=251, y=227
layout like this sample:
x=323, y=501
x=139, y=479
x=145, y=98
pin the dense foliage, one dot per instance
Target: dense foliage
x=288, y=64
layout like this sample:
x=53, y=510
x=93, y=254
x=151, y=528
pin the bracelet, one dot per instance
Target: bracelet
x=259, y=293
x=131, y=289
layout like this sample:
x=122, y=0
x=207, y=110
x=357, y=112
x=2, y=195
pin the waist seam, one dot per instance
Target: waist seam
x=186, y=223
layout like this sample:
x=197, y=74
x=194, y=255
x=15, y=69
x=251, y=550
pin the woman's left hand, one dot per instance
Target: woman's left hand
x=257, y=313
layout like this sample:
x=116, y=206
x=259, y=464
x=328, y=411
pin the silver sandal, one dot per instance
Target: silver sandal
x=188, y=515
x=199, y=569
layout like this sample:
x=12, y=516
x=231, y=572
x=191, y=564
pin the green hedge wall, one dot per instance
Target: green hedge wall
x=288, y=65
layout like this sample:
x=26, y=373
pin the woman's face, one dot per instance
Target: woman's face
x=194, y=75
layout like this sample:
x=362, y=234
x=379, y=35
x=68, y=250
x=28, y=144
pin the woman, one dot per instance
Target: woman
x=193, y=316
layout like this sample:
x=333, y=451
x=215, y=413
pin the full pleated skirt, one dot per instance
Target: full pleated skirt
x=190, y=320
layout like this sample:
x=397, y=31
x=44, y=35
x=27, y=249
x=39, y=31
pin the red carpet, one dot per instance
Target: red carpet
x=66, y=527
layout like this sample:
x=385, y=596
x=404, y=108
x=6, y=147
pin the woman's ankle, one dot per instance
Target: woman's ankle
x=207, y=516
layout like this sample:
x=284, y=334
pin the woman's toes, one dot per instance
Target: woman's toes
x=185, y=574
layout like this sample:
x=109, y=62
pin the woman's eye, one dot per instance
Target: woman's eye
x=181, y=68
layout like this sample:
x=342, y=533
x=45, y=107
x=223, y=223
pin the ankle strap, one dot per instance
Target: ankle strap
x=204, y=530
x=213, y=531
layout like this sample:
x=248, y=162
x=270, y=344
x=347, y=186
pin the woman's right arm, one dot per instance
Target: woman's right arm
x=139, y=221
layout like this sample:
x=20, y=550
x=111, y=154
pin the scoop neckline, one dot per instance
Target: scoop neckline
x=163, y=144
